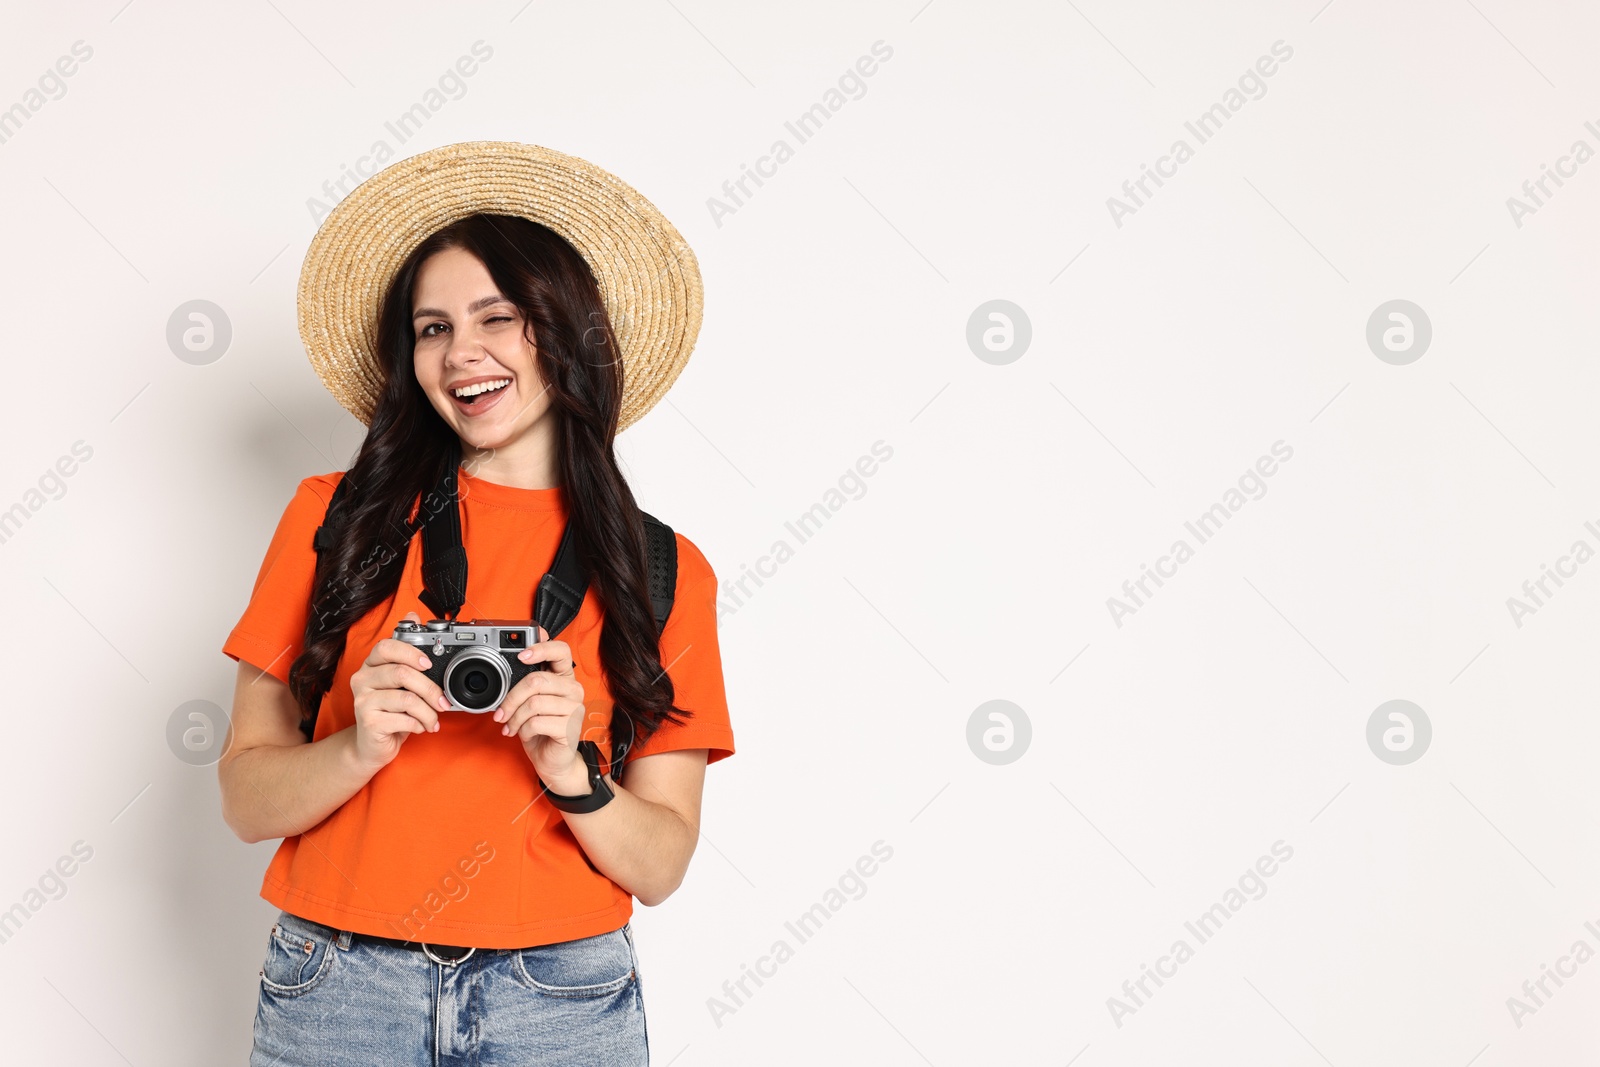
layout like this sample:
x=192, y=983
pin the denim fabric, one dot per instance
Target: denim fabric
x=330, y=1000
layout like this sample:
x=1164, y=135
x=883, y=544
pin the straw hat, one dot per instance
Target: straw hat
x=648, y=276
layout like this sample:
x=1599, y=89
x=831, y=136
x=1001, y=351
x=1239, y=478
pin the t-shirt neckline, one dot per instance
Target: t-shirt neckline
x=473, y=488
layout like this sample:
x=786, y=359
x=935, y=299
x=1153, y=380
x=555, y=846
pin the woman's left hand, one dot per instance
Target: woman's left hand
x=545, y=710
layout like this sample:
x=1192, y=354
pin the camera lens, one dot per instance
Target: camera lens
x=477, y=678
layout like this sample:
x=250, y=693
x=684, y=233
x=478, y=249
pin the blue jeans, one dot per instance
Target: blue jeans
x=329, y=1000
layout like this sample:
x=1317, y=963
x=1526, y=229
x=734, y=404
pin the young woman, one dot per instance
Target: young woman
x=456, y=887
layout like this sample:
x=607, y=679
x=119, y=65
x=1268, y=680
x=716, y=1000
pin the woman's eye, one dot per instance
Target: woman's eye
x=427, y=331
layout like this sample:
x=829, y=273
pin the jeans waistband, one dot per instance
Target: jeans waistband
x=437, y=953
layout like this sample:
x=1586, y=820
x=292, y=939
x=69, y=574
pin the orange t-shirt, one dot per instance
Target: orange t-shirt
x=452, y=842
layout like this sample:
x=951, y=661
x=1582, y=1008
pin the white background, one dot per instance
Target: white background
x=1168, y=354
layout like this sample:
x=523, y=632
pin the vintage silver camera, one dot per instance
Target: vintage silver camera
x=475, y=663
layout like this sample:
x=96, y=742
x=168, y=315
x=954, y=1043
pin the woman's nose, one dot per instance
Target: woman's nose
x=463, y=354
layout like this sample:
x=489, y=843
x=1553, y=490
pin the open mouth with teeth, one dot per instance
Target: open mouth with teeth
x=473, y=399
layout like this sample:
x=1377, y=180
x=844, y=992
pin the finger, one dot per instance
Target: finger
x=557, y=655
x=390, y=650
x=552, y=724
x=536, y=682
x=401, y=676
x=513, y=713
x=405, y=702
x=540, y=706
x=379, y=721
x=542, y=724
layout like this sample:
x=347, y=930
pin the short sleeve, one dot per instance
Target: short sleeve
x=693, y=660
x=271, y=632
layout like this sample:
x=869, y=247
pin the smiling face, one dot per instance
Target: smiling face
x=474, y=361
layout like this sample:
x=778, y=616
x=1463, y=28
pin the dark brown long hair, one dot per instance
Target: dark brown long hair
x=408, y=447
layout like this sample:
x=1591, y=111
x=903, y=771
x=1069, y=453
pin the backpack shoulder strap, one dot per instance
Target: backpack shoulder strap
x=562, y=590
x=661, y=563
x=322, y=539
x=661, y=556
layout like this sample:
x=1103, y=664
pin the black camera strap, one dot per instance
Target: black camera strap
x=444, y=558
x=444, y=568
x=560, y=592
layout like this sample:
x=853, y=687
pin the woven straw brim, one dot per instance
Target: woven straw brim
x=648, y=276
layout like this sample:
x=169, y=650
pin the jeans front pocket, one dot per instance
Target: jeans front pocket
x=299, y=954
x=594, y=966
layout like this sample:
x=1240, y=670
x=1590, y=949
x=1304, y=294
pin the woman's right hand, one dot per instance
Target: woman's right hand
x=393, y=699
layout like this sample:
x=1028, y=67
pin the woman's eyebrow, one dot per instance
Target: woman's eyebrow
x=476, y=305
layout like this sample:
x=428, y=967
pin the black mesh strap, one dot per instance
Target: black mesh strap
x=561, y=591
x=661, y=560
x=661, y=557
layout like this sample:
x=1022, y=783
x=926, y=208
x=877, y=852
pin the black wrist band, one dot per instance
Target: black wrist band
x=600, y=793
